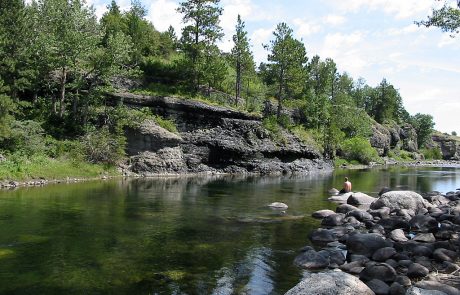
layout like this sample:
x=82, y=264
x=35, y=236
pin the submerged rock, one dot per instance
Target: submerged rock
x=278, y=205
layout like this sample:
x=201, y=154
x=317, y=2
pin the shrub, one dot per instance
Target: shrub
x=27, y=137
x=101, y=146
x=432, y=154
x=359, y=149
x=305, y=136
x=271, y=124
x=167, y=124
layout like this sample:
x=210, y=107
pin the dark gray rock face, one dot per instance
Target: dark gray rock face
x=366, y=244
x=213, y=139
x=381, y=139
x=328, y=283
x=311, y=260
x=379, y=271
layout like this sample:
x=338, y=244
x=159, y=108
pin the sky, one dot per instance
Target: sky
x=372, y=39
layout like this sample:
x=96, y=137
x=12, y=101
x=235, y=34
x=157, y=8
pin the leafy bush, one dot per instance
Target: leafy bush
x=27, y=137
x=432, y=154
x=271, y=124
x=101, y=146
x=305, y=136
x=359, y=149
x=400, y=155
x=285, y=121
x=167, y=124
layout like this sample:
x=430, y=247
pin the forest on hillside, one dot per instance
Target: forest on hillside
x=58, y=62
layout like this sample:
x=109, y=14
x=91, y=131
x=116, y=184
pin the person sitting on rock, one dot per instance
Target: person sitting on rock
x=346, y=186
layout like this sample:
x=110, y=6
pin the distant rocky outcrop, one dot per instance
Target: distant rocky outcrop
x=392, y=136
x=450, y=147
x=212, y=139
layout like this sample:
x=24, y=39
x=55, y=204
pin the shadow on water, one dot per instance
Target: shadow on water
x=211, y=235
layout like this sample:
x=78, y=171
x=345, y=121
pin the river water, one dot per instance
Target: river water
x=211, y=235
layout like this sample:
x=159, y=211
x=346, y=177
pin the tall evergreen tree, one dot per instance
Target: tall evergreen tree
x=287, y=59
x=200, y=34
x=241, y=55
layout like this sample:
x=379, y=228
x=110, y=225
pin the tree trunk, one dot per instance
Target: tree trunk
x=62, y=93
x=238, y=81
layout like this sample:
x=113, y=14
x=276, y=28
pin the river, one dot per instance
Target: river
x=201, y=235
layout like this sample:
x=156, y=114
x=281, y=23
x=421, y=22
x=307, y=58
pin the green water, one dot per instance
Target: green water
x=174, y=236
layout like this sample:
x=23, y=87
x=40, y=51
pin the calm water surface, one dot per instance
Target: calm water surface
x=174, y=236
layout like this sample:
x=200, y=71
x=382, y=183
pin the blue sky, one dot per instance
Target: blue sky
x=366, y=38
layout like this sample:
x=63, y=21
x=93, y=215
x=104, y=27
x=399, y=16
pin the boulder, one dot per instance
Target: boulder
x=340, y=198
x=320, y=214
x=311, y=260
x=345, y=208
x=425, y=238
x=322, y=236
x=420, y=291
x=397, y=289
x=333, y=219
x=366, y=244
x=442, y=255
x=380, y=271
x=333, y=191
x=384, y=190
x=335, y=256
x=278, y=205
x=379, y=287
x=433, y=286
x=398, y=235
x=400, y=200
x=360, y=215
x=383, y=254
x=328, y=283
x=423, y=223
x=357, y=199
x=416, y=271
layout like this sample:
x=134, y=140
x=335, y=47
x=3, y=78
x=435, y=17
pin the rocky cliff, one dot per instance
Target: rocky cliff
x=392, y=136
x=449, y=146
x=212, y=139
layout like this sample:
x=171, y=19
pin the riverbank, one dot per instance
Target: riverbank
x=415, y=163
x=400, y=242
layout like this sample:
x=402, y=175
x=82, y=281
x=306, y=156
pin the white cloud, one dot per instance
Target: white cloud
x=334, y=19
x=401, y=9
x=162, y=13
x=259, y=38
x=305, y=28
x=404, y=30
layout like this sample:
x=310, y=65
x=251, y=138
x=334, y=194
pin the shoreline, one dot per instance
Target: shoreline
x=40, y=181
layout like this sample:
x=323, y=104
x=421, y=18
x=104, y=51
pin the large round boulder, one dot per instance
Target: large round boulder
x=379, y=271
x=331, y=282
x=310, y=259
x=400, y=200
x=323, y=236
x=357, y=199
x=322, y=213
x=366, y=244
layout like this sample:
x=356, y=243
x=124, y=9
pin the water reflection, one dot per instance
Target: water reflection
x=205, y=235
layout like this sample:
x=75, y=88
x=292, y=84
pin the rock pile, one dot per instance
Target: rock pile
x=403, y=244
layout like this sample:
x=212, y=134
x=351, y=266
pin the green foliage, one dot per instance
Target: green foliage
x=6, y=118
x=359, y=149
x=446, y=18
x=18, y=166
x=271, y=124
x=241, y=56
x=27, y=137
x=287, y=59
x=306, y=136
x=432, y=154
x=167, y=124
x=423, y=125
x=101, y=146
x=199, y=38
x=400, y=155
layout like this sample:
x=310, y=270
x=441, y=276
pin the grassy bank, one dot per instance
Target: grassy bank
x=21, y=168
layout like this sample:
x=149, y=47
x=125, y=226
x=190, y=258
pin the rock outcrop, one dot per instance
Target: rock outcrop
x=450, y=148
x=212, y=139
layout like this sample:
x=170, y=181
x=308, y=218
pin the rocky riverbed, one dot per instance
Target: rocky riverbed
x=400, y=242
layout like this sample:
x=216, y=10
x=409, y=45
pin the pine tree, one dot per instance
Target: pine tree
x=200, y=34
x=241, y=56
x=287, y=59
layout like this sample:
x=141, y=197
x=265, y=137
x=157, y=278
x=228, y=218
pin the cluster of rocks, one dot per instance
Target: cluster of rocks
x=41, y=182
x=398, y=243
